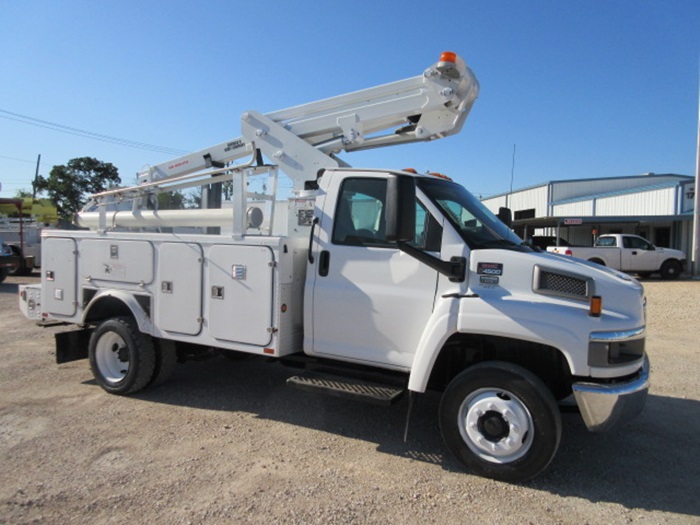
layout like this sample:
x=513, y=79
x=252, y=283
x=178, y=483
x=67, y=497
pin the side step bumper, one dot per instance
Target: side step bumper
x=348, y=388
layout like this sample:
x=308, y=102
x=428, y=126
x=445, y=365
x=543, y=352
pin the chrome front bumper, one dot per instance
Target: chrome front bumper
x=604, y=406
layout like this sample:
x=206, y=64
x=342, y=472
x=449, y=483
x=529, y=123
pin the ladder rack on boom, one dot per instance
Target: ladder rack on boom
x=305, y=139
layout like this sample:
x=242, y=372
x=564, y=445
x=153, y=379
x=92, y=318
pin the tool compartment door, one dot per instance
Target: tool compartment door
x=59, y=277
x=179, y=305
x=239, y=293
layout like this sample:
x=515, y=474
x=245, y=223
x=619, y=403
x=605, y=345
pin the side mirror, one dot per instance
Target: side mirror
x=505, y=216
x=400, y=208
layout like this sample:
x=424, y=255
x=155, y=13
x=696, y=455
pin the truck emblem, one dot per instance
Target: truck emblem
x=487, y=268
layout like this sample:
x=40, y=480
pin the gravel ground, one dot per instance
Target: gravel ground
x=227, y=442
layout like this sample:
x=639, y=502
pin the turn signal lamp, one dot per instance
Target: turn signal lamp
x=596, y=307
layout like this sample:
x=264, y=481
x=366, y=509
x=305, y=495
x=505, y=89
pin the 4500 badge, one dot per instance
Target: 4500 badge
x=489, y=272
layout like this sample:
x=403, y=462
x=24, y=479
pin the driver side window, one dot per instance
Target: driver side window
x=359, y=216
x=360, y=219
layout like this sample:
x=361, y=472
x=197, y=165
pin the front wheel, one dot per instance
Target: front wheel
x=670, y=269
x=500, y=421
x=122, y=358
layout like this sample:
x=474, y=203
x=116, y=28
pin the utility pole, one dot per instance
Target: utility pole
x=696, y=200
x=512, y=173
x=36, y=176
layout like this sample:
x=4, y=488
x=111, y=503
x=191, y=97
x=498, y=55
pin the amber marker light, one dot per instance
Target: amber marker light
x=438, y=175
x=448, y=56
x=596, y=306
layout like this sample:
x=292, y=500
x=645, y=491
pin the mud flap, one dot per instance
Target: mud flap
x=73, y=345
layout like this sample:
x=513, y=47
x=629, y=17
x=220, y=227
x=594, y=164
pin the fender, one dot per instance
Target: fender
x=440, y=327
x=128, y=301
x=451, y=317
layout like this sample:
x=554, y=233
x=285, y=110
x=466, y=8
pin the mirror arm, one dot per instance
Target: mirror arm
x=455, y=269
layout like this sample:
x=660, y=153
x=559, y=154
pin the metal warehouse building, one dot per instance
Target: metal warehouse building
x=656, y=207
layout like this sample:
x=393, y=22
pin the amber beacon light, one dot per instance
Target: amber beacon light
x=448, y=56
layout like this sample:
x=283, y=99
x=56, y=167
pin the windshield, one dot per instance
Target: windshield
x=475, y=223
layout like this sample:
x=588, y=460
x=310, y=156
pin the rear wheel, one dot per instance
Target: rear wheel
x=500, y=421
x=122, y=359
x=670, y=269
x=166, y=361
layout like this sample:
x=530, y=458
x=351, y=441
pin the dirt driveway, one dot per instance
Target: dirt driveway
x=227, y=442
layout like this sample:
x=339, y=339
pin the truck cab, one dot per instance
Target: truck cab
x=457, y=298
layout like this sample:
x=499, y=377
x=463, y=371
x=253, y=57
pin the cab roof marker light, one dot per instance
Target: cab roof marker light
x=439, y=175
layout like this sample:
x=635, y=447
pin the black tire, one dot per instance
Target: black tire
x=500, y=421
x=3, y=274
x=670, y=269
x=166, y=360
x=122, y=359
x=22, y=270
x=597, y=261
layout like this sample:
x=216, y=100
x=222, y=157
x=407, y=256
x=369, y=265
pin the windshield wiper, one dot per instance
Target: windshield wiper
x=502, y=243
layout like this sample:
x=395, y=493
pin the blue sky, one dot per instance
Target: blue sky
x=582, y=89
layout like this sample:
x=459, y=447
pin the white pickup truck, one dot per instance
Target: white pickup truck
x=628, y=253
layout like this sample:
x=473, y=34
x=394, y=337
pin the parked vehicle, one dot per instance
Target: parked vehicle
x=629, y=253
x=21, y=225
x=544, y=241
x=386, y=282
x=8, y=261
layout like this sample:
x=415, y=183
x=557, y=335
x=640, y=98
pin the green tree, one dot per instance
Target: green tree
x=174, y=200
x=68, y=186
x=23, y=194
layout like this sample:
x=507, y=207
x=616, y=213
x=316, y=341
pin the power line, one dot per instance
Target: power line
x=24, y=119
x=15, y=158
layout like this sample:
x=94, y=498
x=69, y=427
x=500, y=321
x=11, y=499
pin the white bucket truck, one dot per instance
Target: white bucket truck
x=403, y=278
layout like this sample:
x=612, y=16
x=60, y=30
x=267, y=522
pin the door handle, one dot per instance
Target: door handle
x=324, y=263
x=311, y=239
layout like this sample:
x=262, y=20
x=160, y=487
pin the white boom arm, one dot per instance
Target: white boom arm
x=303, y=139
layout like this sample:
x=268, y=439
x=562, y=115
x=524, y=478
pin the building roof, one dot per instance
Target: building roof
x=615, y=193
x=645, y=177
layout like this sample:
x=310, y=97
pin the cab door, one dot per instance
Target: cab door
x=638, y=255
x=369, y=301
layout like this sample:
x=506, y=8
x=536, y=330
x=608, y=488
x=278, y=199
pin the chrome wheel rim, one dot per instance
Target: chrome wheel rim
x=495, y=425
x=112, y=357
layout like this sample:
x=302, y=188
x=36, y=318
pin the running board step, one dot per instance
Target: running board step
x=348, y=388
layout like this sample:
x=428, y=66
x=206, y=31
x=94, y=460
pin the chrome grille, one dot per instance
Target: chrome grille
x=562, y=284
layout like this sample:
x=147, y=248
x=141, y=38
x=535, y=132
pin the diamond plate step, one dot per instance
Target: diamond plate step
x=344, y=387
